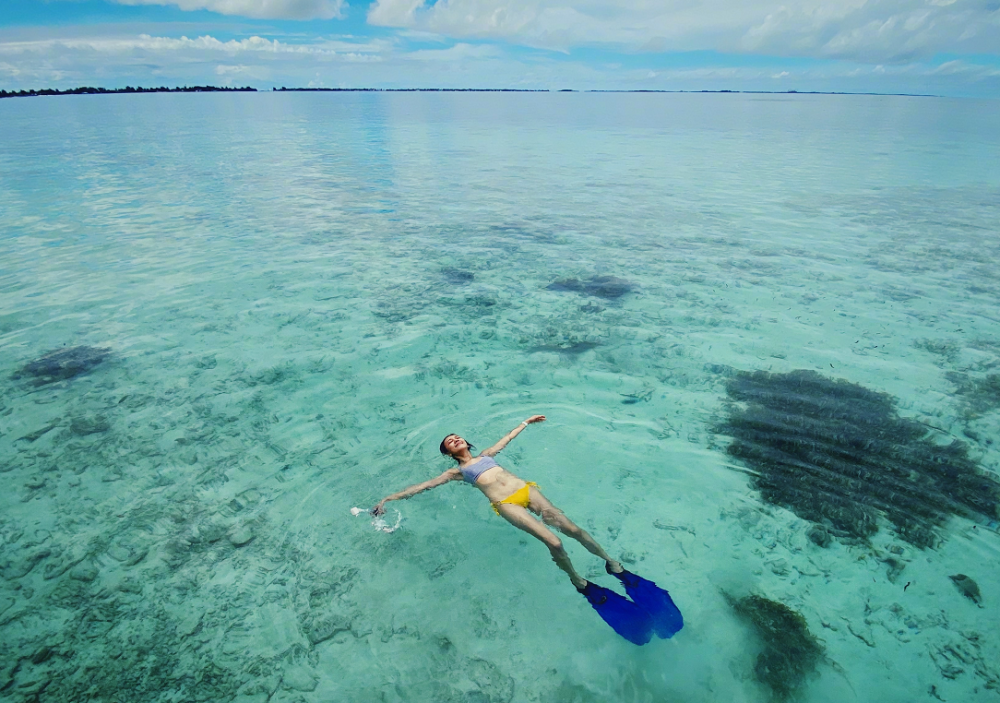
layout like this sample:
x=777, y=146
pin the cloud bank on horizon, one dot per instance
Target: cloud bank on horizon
x=880, y=31
x=258, y=9
x=931, y=46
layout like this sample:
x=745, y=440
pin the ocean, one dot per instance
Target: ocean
x=764, y=330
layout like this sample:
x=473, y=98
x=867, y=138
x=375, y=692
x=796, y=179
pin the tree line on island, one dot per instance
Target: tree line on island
x=87, y=90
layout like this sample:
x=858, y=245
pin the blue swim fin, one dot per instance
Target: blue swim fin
x=667, y=618
x=625, y=617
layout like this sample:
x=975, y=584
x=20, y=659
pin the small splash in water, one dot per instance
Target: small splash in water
x=379, y=523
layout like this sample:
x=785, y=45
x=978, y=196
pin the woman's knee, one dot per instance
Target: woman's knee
x=555, y=546
x=553, y=517
x=561, y=523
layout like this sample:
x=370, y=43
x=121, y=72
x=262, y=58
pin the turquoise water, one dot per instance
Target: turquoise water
x=280, y=304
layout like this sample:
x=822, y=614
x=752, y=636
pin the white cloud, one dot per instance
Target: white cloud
x=962, y=68
x=258, y=9
x=863, y=30
x=459, y=52
x=142, y=59
x=394, y=13
x=116, y=60
x=209, y=44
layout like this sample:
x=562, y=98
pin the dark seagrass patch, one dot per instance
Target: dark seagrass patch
x=839, y=455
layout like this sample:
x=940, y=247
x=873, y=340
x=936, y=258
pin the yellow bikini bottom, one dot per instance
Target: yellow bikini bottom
x=519, y=497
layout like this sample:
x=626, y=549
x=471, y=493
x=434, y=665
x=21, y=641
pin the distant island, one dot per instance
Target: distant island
x=127, y=89
x=248, y=89
x=410, y=90
x=569, y=90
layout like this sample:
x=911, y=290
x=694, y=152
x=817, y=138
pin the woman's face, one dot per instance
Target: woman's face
x=454, y=444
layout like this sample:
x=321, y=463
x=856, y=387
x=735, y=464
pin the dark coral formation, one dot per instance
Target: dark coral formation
x=789, y=652
x=457, y=276
x=837, y=454
x=968, y=588
x=607, y=287
x=62, y=364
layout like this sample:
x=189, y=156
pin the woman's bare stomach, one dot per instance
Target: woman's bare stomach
x=498, y=483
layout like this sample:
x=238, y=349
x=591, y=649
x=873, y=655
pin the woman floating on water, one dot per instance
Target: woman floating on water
x=512, y=498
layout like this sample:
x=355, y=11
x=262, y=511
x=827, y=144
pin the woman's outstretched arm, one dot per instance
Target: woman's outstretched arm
x=449, y=475
x=495, y=449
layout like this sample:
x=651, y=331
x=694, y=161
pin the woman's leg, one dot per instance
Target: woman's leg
x=520, y=518
x=553, y=516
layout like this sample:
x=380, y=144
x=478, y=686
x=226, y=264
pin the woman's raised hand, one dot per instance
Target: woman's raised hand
x=535, y=418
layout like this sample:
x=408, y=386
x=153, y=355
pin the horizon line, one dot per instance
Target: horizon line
x=88, y=90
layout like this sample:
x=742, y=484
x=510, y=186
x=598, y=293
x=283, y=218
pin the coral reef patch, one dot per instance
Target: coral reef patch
x=838, y=454
x=62, y=364
x=607, y=287
x=789, y=651
x=968, y=588
x=457, y=276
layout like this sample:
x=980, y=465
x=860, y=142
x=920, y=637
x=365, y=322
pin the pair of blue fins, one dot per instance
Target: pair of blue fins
x=650, y=611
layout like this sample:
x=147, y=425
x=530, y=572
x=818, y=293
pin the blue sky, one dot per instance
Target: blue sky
x=947, y=47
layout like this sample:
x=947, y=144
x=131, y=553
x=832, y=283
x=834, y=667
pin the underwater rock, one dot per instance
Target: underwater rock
x=207, y=532
x=322, y=629
x=241, y=536
x=89, y=425
x=894, y=567
x=457, y=276
x=299, y=678
x=190, y=624
x=130, y=585
x=789, y=651
x=59, y=565
x=86, y=572
x=32, y=436
x=837, y=454
x=606, y=287
x=23, y=565
x=779, y=567
x=42, y=655
x=127, y=554
x=62, y=364
x=820, y=536
x=206, y=362
x=35, y=482
x=968, y=588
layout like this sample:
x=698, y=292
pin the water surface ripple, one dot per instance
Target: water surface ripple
x=227, y=319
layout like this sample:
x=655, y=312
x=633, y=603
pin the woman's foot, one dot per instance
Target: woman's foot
x=614, y=567
x=579, y=583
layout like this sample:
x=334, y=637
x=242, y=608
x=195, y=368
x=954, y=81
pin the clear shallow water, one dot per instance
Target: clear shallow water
x=282, y=282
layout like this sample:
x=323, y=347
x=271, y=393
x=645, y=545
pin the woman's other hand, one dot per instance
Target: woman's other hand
x=535, y=418
x=378, y=509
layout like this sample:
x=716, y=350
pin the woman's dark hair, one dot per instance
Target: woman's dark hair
x=445, y=451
